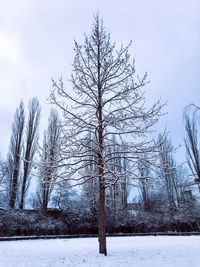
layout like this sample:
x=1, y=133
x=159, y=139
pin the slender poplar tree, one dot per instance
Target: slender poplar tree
x=14, y=154
x=30, y=145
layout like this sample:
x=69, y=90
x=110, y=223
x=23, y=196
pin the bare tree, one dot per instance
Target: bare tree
x=90, y=186
x=192, y=144
x=106, y=99
x=3, y=183
x=14, y=154
x=48, y=171
x=31, y=138
x=117, y=191
x=144, y=180
x=168, y=171
x=3, y=168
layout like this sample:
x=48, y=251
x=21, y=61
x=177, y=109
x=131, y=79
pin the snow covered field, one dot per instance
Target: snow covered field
x=150, y=251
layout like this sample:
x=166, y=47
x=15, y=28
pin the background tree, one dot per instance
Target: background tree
x=3, y=184
x=168, y=174
x=117, y=189
x=48, y=171
x=192, y=143
x=3, y=171
x=90, y=173
x=106, y=99
x=14, y=154
x=69, y=202
x=144, y=180
x=30, y=143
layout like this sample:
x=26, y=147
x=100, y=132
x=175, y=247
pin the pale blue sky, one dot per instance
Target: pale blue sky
x=36, y=43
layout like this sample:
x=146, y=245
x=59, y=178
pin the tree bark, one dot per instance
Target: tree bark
x=101, y=218
x=21, y=205
x=101, y=212
x=14, y=186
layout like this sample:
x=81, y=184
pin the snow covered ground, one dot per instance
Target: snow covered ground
x=150, y=251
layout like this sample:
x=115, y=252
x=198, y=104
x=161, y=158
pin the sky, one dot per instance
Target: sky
x=36, y=44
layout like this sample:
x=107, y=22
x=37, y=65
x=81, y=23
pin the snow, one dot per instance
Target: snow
x=146, y=251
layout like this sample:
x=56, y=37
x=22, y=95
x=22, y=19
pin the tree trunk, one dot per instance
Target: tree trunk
x=13, y=193
x=101, y=211
x=21, y=205
x=44, y=200
x=101, y=217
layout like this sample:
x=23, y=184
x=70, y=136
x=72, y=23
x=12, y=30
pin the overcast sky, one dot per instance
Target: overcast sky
x=36, y=43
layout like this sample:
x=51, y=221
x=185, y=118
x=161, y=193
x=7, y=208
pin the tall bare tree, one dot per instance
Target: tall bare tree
x=3, y=170
x=90, y=186
x=30, y=143
x=169, y=174
x=117, y=191
x=3, y=183
x=192, y=144
x=144, y=179
x=48, y=171
x=106, y=99
x=14, y=154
